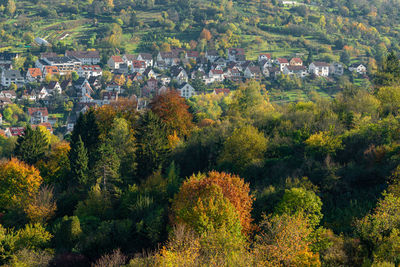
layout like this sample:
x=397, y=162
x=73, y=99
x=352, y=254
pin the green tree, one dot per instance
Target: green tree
x=79, y=163
x=244, y=148
x=301, y=201
x=31, y=146
x=106, y=168
x=152, y=144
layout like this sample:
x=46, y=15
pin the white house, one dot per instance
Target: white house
x=38, y=115
x=300, y=71
x=319, y=69
x=186, y=91
x=282, y=62
x=88, y=71
x=216, y=75
x=180, y=75
x=359, y=68
x=253, y=72
x=114, y=62
x=86, y=57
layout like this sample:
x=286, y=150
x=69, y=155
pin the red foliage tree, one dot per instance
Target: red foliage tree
x=173, y=110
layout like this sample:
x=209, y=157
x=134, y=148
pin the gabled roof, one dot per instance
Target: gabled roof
x=320, y=64
x=52, y=85
x=282, y=60
x=296, y=60
x=130, y=57
x=146, y=56
x=83, y=54
x=254, y=69
x=176, y=70
x=192, y=54
x=217, y=72
x=32, y=111
x=35, y=72
x=267, y=55
x=224, y=91
x=117, y=59
x=51, y=70
x=236, y=51
x=296, y=68
x=12, y=74
x=356, y=65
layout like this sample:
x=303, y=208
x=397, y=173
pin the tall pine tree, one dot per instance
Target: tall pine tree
x=87, y=128
x=152, y=144
x=106, y=168
x=31, y=146
x=78, y=158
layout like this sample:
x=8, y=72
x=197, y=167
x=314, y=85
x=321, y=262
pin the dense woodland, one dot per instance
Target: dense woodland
x=217, y=180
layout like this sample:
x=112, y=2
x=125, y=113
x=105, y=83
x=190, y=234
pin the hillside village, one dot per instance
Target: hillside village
x=78, y=80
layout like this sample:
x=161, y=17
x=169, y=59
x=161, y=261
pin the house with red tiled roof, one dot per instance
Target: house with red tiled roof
x=34, y=75
x=114, y=62
x=264, y=56
x=50, y=70
x=224, y=91
x=282, y=62
x=38, y=115
x=296, y=62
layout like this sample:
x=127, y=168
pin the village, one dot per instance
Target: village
x=78, y=81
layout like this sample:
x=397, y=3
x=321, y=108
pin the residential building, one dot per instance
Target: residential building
x=38, y=115
x=88, y=71
x=34, y=75
x=114, y=62
x=282, y=62
x=319, y=69
x=65, y=65
x=297, y=70
x=358, y=68
x=85, y=57
x=336, y=68
x=12, y=76
x=296, y=62
x=253, y=72
x=186, y=91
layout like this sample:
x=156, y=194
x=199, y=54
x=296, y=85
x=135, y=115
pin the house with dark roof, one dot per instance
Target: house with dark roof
x=85, y=57
x=253, y=72
x=300, y=71
x=9, y=77
x=319, y=69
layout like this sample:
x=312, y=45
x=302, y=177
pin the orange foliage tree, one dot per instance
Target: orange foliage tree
x=19, y=183
x=205, y=34
x=172, y=109
x=233, y=188
x=284, y=241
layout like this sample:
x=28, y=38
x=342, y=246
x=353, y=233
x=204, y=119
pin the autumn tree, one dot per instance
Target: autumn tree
x=173, y=111
x=19, y=183
x=250, y=101
x=284, y=241
x=199, y=187
x=205, y=34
